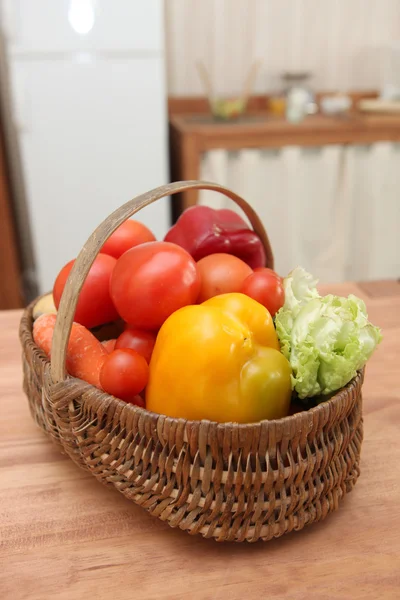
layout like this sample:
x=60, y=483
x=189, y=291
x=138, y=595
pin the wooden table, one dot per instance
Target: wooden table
x=65, y=536
x=191, y=135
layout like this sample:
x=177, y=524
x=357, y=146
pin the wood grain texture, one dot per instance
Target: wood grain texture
x=63, y=535
x=275, y=132
x=10, y=282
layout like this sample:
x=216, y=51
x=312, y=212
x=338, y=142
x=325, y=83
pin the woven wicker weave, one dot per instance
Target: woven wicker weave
x=227, y=481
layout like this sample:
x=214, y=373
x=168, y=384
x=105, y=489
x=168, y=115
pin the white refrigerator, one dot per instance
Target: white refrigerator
x=89, y=100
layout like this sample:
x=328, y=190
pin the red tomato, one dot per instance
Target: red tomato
x=124, y=374
x=139, y=340
x=221, y=274
x=265, y=286
x=152, y=281
x=129, y=234
x=95, y=306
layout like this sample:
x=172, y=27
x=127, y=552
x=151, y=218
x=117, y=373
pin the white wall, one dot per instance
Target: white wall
x=335, y=39
x=90, y=117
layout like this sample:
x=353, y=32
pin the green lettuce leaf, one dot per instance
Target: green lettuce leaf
x=326, y=339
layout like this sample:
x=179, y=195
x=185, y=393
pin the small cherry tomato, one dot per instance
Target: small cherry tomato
x=139, y=340
x=138, y=401
x=95, y=306
x=221, y=274
x=265, y=286
x=124, y=374
x=128, y=235
x=151, y=281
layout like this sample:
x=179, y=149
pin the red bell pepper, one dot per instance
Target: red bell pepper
x=201, y=231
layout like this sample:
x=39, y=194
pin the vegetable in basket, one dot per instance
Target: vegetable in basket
x=85, y=354
x=221, y=274
x=265, y=286
x=151, y=281
x=219, y=360
x=326, y=339
x=128, y=235
x=95, y=306
x=201, y=231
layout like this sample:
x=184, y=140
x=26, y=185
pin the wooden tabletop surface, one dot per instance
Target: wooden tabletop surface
x=261, y=130
x=64, y=536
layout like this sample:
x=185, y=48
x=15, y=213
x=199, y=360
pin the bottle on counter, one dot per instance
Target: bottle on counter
x=296, y=104
x=300, y=99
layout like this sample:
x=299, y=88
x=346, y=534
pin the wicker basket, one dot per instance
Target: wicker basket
x=227, y=481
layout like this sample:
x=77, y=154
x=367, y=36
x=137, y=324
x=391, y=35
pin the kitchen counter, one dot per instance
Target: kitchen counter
x=265, y=131
x=64, y=536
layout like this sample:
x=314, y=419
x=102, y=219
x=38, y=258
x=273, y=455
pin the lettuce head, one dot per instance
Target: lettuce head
x=326, y=339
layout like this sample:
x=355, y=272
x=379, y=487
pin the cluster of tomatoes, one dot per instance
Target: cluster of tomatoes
x=143, y=281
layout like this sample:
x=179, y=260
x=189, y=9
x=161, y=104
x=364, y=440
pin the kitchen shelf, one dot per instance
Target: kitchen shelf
x=193, y=134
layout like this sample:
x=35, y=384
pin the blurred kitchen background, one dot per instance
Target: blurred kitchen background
x=293, y=104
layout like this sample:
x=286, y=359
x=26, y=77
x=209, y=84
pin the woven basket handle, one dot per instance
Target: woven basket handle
x=95, y=242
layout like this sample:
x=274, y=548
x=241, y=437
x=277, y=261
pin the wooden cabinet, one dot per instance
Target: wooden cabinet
x=10, y=275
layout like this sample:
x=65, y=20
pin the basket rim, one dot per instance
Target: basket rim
x=289, y=421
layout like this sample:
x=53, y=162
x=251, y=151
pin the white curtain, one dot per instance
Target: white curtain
x=335, y=210
x=338, y=41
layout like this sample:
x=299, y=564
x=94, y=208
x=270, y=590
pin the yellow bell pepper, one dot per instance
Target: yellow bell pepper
x=219, y=361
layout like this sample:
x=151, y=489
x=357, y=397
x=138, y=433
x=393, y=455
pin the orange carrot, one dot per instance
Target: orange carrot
x=109, y=345
x=85, y=354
